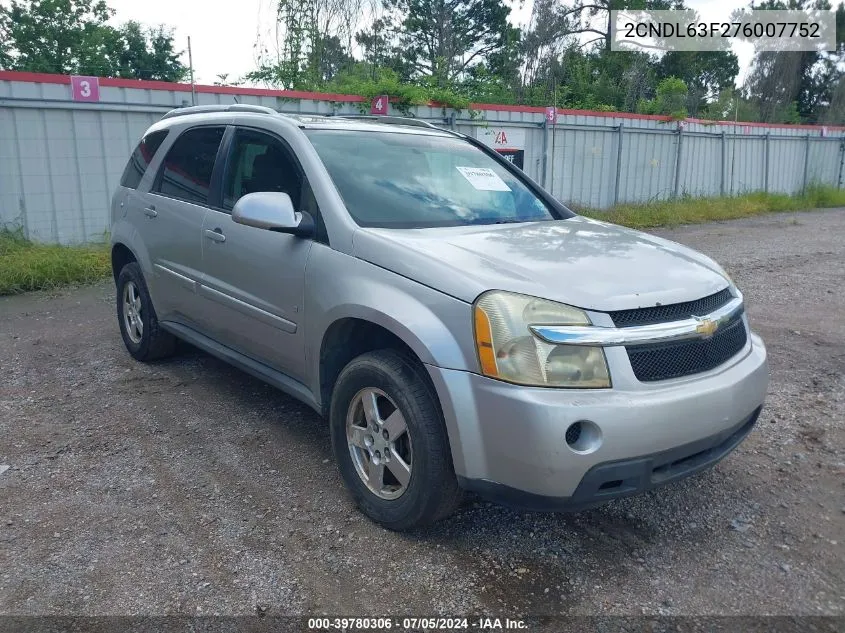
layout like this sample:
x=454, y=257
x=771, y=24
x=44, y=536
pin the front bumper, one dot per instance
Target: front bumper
x=508, y=442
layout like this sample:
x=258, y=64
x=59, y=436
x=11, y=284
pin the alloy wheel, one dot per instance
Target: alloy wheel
x=132, y=312
x=379, y=443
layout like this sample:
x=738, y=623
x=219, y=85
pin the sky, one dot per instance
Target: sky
x=223, y=39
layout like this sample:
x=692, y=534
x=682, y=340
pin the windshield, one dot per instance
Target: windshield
x=396, y=180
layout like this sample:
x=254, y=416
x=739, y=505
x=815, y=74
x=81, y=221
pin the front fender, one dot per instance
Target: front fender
x=437, y=327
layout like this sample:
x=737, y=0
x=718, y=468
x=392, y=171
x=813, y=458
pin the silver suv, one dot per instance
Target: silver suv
x=459, y=328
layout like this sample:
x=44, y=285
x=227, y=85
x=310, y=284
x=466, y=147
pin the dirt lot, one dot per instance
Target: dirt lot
x=187, y=486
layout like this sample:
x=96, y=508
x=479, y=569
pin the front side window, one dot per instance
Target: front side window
x=400, y=180
x=141, y=159
x=259, y=162
x=187, y=168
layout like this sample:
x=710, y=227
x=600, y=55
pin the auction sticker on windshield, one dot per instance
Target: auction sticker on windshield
x=483, y=178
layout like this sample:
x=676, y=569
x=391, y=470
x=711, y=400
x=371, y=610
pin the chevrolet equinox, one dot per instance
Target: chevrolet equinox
x=458, y=327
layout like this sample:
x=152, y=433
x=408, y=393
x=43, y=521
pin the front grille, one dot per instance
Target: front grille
x=683, y=358
x=672, y=312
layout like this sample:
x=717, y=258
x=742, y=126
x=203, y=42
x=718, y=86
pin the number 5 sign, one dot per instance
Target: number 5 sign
x=85, y=88
x=379, y=105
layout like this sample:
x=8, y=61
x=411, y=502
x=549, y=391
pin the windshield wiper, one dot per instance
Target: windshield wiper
x=519, y=221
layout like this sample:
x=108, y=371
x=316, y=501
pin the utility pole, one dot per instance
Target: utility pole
x=191, y=66
x=554, y=133
x=733, y=148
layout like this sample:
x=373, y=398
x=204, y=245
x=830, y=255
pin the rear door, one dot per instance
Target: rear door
x=128, y=200
x=175, y=208
x=255, y=277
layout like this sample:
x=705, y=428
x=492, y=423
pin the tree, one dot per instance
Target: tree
x=593, y=16
x=731, y=106
x=377, y=42
x=706, y=74
x=442, y=39
x=671, y=99
x=806, y=79
x=312, y=42
x=57, y=36
x=147, y=53
x=543, y=43
x=73, y=37
x=327, y=59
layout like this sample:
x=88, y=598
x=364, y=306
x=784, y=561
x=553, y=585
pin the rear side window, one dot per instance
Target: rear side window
x=141, y=158
x=186, y=171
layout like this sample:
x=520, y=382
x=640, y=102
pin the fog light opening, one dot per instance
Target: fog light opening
x=609, y=485
x=583, y=436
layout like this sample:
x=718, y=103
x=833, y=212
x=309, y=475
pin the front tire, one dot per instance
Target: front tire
x=390, y=442
x=137, y=318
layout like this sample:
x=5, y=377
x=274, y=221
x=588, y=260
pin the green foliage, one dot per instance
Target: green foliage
x=56, y=36
x=361, y=80
x=697, y=210
x=670, y=100
x=146, y=53
x=26, y=265
x=730, y=106
x=810, y=79
x=706, y=74
x=442, y=39
x=457, y=51
x=290, y=69
x=73, y=37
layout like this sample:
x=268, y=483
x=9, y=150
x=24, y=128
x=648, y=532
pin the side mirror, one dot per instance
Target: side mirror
x=272, y=211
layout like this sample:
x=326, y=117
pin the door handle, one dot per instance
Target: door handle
x=150, y=212
x=216, y=235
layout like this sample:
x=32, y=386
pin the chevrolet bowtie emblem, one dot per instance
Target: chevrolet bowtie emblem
x=706, y=327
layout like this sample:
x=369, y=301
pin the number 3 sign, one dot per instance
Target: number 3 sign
x=85, y=88
x=379, y=105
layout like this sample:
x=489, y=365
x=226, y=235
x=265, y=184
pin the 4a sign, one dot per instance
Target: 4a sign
x=379, y=105
x=85, y=88
x=512, y=138
x=500, y=138
x=551, y=115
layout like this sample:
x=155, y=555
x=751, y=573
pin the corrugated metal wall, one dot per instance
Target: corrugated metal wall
x=60, y=159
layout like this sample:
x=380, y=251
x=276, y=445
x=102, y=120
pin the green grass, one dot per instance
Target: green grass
x=697, y=210
x=26, y=265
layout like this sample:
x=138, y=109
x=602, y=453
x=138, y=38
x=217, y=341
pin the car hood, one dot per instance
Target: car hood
x=578, y=261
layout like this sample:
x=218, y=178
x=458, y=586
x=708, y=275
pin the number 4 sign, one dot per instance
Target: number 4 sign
x=379, y=105
x=85, y=88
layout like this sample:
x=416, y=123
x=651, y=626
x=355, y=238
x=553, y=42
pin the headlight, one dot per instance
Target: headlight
x=507, y=349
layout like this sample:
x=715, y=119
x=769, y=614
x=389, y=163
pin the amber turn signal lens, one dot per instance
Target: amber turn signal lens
x=484, y=344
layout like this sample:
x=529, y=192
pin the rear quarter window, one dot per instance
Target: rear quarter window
x=141, y=158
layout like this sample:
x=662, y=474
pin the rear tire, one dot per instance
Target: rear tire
x=139, y=326
x=395, y=460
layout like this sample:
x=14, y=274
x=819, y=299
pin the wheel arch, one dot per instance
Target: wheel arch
x=350, y=336
x=121, y=255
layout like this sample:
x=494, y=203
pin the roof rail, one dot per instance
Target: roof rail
x=391, y=120
x=234, y=107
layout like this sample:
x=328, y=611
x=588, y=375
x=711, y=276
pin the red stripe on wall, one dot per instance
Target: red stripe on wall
x=140, y=84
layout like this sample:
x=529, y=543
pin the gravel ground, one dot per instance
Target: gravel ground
x=187, y=486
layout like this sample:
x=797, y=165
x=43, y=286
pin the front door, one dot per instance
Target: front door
x=254, y=277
